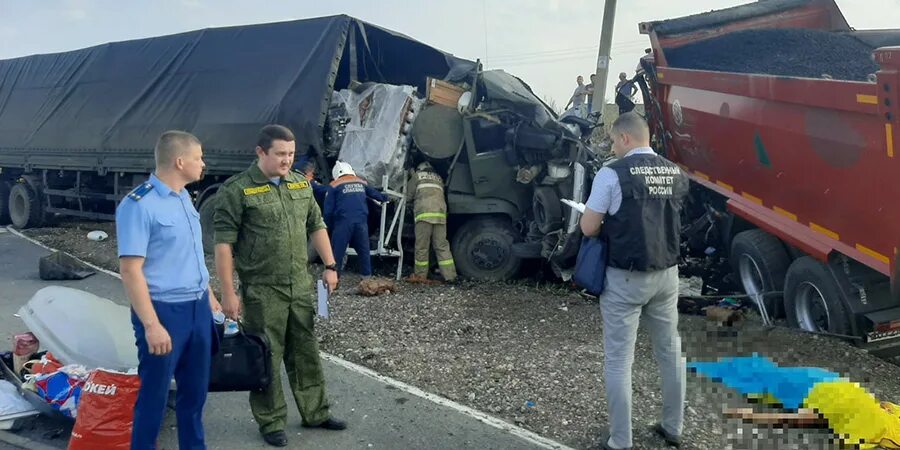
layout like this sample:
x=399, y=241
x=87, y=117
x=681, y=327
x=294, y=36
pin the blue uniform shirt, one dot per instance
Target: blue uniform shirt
x=163, y=227
x=346, y=201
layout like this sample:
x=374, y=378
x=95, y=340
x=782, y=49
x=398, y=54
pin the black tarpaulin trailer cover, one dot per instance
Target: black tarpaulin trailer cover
x=222, y=84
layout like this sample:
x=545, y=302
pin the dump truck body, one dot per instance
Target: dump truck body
x=797, y=152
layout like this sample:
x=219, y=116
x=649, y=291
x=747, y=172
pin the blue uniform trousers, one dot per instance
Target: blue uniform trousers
x=190, y=325
x=355, y=235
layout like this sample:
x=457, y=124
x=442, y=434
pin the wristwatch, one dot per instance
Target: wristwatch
x=332, y=266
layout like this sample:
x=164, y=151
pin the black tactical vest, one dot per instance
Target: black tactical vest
x=644, y=234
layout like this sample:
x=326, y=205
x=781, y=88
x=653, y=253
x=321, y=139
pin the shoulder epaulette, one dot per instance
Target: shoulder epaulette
x=231, y=179
x=140, y=191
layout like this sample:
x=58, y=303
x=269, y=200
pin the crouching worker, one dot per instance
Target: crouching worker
x=347, y=215
x=165, y=277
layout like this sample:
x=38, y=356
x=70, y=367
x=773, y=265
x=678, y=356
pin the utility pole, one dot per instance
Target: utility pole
x=609, y=18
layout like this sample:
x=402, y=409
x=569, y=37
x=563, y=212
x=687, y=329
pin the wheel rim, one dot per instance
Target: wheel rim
x=751, y=278
x=19, y=205
x=489, y=253
x=812, y=311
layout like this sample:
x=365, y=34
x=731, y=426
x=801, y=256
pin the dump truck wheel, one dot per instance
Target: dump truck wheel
x=547, y=210
x=25, y=209
x=761, y=262
x=207, y=214
x=482, y=249
x=812, y=298
x=4, y=203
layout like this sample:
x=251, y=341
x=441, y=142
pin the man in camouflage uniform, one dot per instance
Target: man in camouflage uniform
x=427, y=188
x=263, y=219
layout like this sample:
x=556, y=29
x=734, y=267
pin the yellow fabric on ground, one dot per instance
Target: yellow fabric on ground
x=855, y=415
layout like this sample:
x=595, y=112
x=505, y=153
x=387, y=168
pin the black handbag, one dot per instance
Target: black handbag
x=243, y=363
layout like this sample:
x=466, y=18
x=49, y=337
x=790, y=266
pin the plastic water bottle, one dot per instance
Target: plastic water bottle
x=231, y=327
x=219, y=317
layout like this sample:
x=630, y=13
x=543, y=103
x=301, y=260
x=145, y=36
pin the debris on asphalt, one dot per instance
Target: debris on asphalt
x=372, y=287
x=97, y=235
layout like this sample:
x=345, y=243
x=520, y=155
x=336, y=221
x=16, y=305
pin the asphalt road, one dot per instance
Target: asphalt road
x=381, y=413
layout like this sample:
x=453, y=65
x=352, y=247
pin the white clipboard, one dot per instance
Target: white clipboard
x=322, y=305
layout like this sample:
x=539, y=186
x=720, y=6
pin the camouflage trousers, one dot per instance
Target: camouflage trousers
x=284, y=313
x=433, y=235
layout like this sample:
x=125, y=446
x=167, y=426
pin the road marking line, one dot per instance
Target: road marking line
x=97, y=268
x=474, y=413
x=495, y=422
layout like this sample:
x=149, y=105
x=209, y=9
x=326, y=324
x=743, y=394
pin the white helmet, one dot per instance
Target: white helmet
x=340, y=169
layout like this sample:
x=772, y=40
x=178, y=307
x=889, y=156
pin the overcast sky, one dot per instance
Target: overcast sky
x=545, y=42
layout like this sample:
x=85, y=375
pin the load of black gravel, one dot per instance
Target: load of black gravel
x=785, y=52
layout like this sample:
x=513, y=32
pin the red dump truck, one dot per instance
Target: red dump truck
x=788, y=122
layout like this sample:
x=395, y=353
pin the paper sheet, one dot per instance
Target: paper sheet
x=323, y=299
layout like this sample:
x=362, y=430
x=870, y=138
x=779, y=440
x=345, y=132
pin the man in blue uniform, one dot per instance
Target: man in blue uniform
x=165, y=277
x=347, y=214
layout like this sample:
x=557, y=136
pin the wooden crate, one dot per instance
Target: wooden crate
x=442, y=92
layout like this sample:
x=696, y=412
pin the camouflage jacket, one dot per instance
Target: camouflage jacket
x=268, y=226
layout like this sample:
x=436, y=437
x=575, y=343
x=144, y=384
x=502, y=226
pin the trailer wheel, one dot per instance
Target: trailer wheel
x=812, y=298
x=761, y=262
x=207, y=214
x=482, y=249
x=4, y=203
x=547, y=210
x=25, y=209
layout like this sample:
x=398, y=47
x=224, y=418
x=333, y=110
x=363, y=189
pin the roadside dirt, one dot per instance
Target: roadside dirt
x=531, y=353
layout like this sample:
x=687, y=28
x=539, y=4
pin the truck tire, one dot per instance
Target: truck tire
x=482, y=249
x=812, y=298
x=207, y=214
x=4, y=203
x=547, y=210
x=25, y=209
x=760, y=262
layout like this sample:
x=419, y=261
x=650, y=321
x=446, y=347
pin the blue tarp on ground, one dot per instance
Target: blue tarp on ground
x=756, y=375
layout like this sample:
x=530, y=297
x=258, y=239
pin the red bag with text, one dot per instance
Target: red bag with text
x=105, y=411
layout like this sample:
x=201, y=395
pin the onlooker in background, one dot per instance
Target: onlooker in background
x=625, y=90
x=590, y=93
x=646, y=61
x=638, y=217
x=577, y=99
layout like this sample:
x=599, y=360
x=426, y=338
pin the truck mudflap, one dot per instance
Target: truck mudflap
x=886, y=328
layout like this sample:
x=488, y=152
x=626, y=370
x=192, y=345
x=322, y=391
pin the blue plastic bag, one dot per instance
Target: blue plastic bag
x=590, y=266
